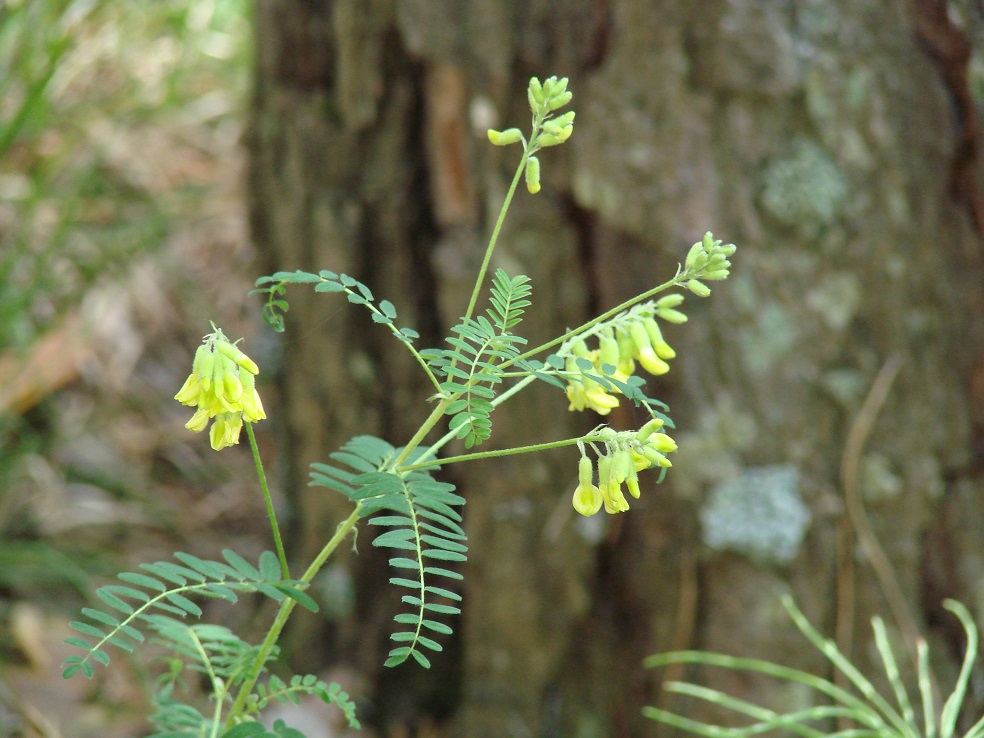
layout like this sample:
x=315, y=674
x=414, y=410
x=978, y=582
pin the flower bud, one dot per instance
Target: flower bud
x=669, y=301
x=719, y=274
x=671, y=316
x=708, y=242
x=624, y=465
x=535, y=92
x=698, y=288
x=553, y=135
x=648, y=429
x=556, y=125
x=559, y=101
x=662, y=443
x=506, y=137
x=233, y=352
x=549, y=88
x=695, y=257
x=651, y=455
x=533, y=175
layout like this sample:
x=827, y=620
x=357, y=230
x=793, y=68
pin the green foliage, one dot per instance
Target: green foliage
x=422, y=526
x=163, y=589
x=276, y=689
x=275, y=287
x=869, y=712
x=473, y=366
x=393, y=488
x=173, y=718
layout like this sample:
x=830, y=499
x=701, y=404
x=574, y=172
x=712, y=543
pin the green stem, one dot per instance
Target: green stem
x=495, y=232
x=271, y=513
x=503, y=452
x=678, y=279
x=395, y=331
x=436, y=414
x=286, y=607
x=452, y=434
x=218, y=689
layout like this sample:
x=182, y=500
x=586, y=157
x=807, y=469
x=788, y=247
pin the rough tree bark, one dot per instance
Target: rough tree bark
x=817, y=135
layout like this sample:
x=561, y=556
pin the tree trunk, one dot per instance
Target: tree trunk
x=819, y=137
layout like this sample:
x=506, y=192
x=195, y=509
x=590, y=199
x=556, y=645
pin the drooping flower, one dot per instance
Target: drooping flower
x=222, y=387
x=631, y=337
x=587, y=497
x=622, y=456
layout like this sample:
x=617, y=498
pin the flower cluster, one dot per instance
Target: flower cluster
x=631, y=337
x=707, y=259
x=623, y=456
x=545, y=98
x=221, y=386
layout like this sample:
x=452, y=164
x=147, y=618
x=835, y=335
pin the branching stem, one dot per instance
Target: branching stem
x=678, y=279
x=286, y=607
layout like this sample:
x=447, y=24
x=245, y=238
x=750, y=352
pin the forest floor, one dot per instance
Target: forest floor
x=123, y=232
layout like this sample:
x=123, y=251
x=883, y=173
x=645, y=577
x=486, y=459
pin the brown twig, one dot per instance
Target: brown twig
x=850, y=473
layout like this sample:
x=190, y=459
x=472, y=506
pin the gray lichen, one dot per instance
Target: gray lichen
x=759, y=514
x=805, y=189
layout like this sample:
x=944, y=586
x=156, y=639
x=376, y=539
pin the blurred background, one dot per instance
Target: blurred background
x=156, y=157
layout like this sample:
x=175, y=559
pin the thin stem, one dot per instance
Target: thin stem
x=286, y=607
x=410, y=347
x=678, y=279
x=218, y=688
x=436, y=414
x=271, y=513
x=499, y=452
x=495, y=231
x=452, y=434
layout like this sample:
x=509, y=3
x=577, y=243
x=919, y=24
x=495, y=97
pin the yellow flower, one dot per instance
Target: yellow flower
x=225, y=430
x=611, y=492
x=644, y=351
x=583, y=392
x=587, y=499
x=221, y=386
